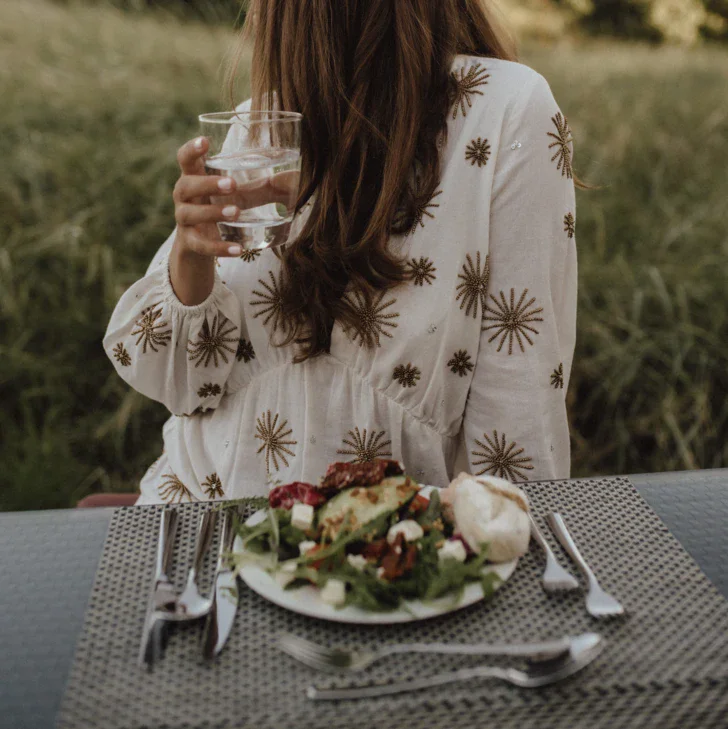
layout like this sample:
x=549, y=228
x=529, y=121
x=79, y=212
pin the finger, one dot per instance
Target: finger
x=286, y=183
x=279, y=188
x=190, y=187
x=208, y=247
x=190, y=156
x=188, y=214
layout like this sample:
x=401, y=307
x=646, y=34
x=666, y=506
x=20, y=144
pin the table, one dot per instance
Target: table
x=36, y=656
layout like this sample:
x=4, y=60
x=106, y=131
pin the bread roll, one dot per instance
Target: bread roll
x=493, y=510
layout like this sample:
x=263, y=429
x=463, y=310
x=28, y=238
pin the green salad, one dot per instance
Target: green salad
x=366, y=536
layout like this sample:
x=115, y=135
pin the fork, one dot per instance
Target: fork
x=340, y=660
x=555, y=577
x=582, y=653
x=599, y=603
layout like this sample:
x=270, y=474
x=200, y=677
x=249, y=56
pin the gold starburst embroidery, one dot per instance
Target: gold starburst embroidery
x=271, y=302
x=245, y=351
x=212, y=486
x=250, y=254
x=121, y=355
x=209, y=390
x=561, y=142
x=172, y=490
x=424, y=209
x=477, y=152
x=372, y=318
x=499, y=460
x=467, y=85
x=512, y=320
x=212, y=341
x=474, y=288
x=569, y=225
x=151, y=331
x=460, y=363
x=557, y=377
x=421, y=206
x=273, y=436
x=365, y=448
x=407, y=375
x=422, y=271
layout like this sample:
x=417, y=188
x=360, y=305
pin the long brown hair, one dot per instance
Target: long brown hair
x=372, y=80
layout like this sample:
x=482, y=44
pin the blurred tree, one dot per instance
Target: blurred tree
x=716, y=22
x=628, y=18
x=676, y=21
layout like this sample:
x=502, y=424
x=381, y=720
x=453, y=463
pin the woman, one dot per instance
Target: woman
x=425, y=308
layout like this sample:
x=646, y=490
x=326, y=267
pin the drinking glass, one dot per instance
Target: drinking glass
x=261, y=151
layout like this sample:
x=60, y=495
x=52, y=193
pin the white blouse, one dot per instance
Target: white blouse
x=471, y=357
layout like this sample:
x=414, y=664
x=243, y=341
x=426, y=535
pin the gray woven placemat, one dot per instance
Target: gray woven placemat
x=666, y=663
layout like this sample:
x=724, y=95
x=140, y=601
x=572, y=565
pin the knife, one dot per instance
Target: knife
x=225, y=596
x=163, y=593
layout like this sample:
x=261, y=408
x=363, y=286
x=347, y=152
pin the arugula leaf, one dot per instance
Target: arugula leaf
x=366, y=590
x=257, y=503
x=452, y=576
x=255, y=538
x=433, y=510
x=262, y=537
x=303, y=576
x=415, y=583
x=275, y=534
x=488, y=583
x=292, y=536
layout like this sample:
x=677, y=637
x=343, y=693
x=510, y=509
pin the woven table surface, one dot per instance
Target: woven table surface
x=665, y=664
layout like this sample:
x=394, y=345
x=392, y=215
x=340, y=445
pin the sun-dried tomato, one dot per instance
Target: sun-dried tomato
x=376, y=549
x=399, y=559
x=284, y=497
x=348, y=475
x=418, y=504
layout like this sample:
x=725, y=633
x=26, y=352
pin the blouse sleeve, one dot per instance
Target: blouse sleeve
x=178, y=355
x=515, y=422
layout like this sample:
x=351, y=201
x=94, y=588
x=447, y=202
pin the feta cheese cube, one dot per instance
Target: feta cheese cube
x=356, y=561
x=302, y=516
x=304, y=547
x=285, y=573
x=411, y=530
x=452, y=549
x=334, y=592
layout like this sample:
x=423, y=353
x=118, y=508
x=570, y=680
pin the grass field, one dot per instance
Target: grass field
x=95, y=104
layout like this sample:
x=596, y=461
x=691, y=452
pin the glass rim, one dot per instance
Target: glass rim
x=268, y=116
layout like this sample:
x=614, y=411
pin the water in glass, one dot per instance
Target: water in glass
x=268, y=224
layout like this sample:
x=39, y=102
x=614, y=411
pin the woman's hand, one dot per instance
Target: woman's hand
x=195, y=213
x=197, y=241
x=202, y=201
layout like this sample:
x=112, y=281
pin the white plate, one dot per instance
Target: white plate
x=306, y=601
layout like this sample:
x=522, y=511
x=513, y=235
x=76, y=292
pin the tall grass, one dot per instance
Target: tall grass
x=650, y=381
x=95, y=104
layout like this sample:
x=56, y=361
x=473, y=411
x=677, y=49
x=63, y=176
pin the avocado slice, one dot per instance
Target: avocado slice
x=356, y=507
